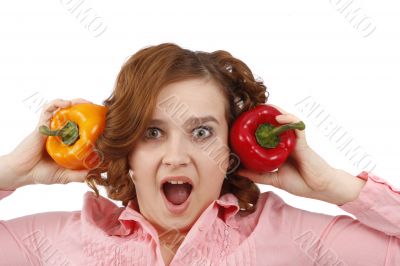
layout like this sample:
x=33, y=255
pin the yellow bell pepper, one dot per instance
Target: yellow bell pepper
x=72, y=135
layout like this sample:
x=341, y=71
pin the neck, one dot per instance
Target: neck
x=171, y=240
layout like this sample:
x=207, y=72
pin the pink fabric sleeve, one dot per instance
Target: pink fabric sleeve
x=373, y=238
x=378, y=205
x=11, y=250
x=320, y=239
x=376, y=232
x=5, y=193
x=23, y=239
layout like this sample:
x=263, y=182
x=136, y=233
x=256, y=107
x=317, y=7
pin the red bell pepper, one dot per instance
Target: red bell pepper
x=260, y=142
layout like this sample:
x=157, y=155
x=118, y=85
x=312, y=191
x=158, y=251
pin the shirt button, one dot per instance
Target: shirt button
x=201, y=228
x=226, y=232
x=225, y=243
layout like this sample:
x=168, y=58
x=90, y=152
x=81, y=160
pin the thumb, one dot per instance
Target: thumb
x=76, y=175
x=268, y=178
x=301, y=135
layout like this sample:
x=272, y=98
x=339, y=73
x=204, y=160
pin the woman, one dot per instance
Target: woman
x=168, y=117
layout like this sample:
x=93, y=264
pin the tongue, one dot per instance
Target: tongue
x=177, y=193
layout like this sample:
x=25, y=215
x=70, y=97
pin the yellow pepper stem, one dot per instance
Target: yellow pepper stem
x=69, y=134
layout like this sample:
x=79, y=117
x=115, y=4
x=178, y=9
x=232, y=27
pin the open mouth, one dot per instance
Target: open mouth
x=177, y=192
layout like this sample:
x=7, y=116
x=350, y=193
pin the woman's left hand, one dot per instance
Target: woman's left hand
x=304, y=173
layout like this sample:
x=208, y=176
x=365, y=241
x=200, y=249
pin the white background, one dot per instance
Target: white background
x=349, y=65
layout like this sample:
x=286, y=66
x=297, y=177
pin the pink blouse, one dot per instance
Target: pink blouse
x=103, y=233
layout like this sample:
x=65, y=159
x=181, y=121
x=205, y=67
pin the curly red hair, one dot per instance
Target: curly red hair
x=139, y=81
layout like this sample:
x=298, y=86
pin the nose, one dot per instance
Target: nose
x=176, y=151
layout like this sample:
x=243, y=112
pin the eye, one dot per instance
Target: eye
x=202, y=130
x=152, y=130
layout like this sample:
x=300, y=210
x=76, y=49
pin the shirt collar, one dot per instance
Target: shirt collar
x=122, y=221
x=228, y=204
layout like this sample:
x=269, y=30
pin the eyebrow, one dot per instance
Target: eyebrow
x=193, y=120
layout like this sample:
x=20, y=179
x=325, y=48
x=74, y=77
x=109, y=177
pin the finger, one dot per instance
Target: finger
x=60, y=103
x=55, y=104
x=301, y=135
x=50, y=108
x=79, y=100
x=287, y=118
x=279, y=109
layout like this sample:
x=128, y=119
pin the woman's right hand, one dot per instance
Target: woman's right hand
x=30, y=160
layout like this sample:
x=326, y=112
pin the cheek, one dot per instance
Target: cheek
x=216, y=167
x=142, y=164
x=210, y=188
x=141, y=158
x=212, y=174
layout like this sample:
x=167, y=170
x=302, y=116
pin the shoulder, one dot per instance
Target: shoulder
x=99, y=209
x=269, y=203
x=273, y=214
x=269, y=206
x=95, y=212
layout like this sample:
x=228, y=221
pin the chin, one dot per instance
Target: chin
x=182, y=227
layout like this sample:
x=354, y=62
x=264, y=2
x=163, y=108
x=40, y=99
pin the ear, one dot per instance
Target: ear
x=132, y=174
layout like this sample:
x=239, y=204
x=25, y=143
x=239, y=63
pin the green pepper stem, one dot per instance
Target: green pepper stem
x=69, y=134
x=267, y=135
x=279, y=130
x=45, y=130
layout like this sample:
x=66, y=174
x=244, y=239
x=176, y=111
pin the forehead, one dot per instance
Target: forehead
x=193, y=120
x=190, y=101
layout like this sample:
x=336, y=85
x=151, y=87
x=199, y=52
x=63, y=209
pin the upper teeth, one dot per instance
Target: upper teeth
x=176, y=182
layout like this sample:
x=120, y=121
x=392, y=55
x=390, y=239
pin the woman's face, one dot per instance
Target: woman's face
x=171, y=147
